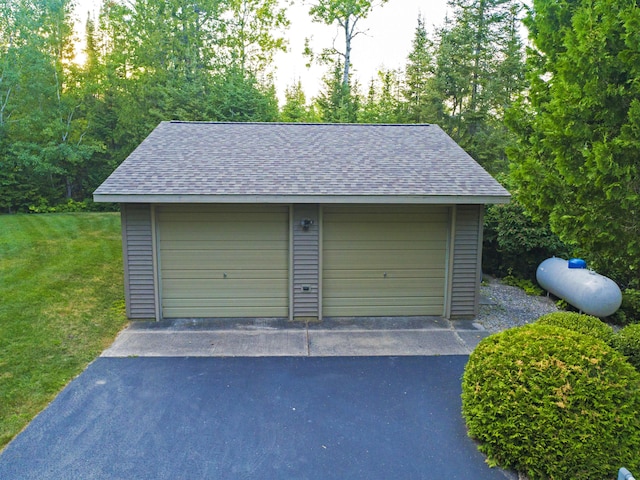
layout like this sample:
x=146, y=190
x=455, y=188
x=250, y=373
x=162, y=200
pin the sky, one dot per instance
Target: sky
x=385, y=42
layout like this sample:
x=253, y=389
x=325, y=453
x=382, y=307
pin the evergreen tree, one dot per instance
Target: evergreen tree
x=336, y=104
x=453, y=75
x=422, y=102
x=295, y=108
x=369, y=111
x=188, y=61
x=479, y=70
x=576, y=163
x=383, y=103
x=237, y=96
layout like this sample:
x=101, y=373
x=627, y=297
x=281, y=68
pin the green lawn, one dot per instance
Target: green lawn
x=61, y=304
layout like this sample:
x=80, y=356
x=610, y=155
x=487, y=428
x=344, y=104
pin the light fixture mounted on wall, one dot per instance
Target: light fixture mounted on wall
x=306, y=223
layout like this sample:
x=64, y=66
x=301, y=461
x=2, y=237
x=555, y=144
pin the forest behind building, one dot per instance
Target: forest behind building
x=555, y=117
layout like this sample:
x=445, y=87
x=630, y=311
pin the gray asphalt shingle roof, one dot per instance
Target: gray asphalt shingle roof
x=298, y=160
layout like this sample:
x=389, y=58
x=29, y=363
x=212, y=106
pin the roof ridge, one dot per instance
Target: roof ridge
x=319, y=124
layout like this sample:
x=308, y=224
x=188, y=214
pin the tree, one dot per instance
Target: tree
x=453, y=75
x=515, y=244
x=576, y=161
x=383, y=102
x=187, y=60
x=237, y=96
x=250, y=33
x=346, y=14
x=423, y=104
x=369, y=111
x=479, y=70
x=64, y=127
x=43, y=140
x=295, y=108
x=336, y=104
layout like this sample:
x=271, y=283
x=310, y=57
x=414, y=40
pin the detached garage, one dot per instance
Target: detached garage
x=300, y=221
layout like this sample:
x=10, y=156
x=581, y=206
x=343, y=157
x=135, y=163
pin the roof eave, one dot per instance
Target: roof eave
x=316, y=199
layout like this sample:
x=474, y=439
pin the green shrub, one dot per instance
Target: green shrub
x=528, y=286
x=579, y=322
x=515, y=244
x=72, y=206
x=629, y=311
x=553, y=403
x=627, y=342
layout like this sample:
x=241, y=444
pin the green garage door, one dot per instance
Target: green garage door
x=384, y=261
x=224, y=261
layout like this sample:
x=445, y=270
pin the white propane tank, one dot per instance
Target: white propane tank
x=592, y=293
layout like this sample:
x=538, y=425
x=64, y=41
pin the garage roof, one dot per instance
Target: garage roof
x=205, y=162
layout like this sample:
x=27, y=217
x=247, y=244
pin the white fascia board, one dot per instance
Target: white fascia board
x=318, y=199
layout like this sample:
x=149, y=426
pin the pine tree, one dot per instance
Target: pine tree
x=422, y=103
x=383, y=103
x=479, y=69
x=336, y=104
x=295, y=108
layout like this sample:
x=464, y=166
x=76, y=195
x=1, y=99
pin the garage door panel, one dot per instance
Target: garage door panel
x=223, y=244
x=380, y=259
x=224, y=288
x=224, y=231
x=368, y=288
x=222, y=218
x=196, y=275
x=221, y=208
x=223, y=312
x=412, y=273
x=386, y=209
x=360, y=232
x=384, y=302
x=251, y=302
x=361, y=244
x=379, y=311
x=384, y=245
x=388, y=218
x=226, y=259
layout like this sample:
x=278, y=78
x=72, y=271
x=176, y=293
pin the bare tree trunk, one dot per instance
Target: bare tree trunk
x=347, y=52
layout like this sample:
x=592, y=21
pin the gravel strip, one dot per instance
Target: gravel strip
x=504, y=306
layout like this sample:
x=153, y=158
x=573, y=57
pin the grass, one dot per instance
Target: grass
x=61, y=304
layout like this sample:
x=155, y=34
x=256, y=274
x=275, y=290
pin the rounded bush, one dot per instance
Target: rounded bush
x=627, y=342
x=553, y=403
x=580, y=323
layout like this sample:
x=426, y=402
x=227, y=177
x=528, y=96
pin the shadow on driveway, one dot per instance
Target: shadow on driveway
x=254, y=418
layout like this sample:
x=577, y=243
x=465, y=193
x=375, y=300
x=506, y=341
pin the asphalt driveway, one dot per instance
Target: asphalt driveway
x=254, y=418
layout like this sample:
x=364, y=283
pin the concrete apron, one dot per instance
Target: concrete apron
x=379, y=336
